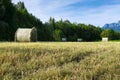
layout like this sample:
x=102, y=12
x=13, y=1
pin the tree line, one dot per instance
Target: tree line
x=13, y=16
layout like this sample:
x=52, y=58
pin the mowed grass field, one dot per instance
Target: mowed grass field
x=60, y=61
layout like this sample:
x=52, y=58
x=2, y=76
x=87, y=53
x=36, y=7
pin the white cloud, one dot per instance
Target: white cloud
x=98, y=16
x=43, y=9
x=102, y=15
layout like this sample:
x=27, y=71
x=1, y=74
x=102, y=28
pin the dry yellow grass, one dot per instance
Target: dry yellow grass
x=60, y=61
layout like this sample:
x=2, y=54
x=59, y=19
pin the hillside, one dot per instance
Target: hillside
x=60, y=61
x=114, y=26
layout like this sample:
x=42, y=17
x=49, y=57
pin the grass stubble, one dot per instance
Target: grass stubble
x=60, y=61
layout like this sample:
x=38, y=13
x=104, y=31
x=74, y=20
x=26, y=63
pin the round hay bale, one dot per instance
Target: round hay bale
x=79, y=39
x=64, y=39
x=105, y=39
x=26, y=35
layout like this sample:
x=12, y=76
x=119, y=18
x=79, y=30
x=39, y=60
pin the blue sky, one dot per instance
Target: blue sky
x=96, y=12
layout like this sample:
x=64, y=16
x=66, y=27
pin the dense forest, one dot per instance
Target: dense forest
x=13, y=16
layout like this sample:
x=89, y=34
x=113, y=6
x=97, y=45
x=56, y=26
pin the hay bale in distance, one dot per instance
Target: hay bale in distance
x=26, y=35
x=64, y=39
x=105, y=39
x=79, y=39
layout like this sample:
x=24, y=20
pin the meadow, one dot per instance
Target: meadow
x=60, y=61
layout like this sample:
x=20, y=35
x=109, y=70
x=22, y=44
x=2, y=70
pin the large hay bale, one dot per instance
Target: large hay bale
x=26, y=35
x=105, y=39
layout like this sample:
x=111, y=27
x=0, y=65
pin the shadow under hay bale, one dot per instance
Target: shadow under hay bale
x=26, y=35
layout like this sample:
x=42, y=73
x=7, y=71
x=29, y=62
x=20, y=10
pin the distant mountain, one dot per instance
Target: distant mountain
x=114, y=26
